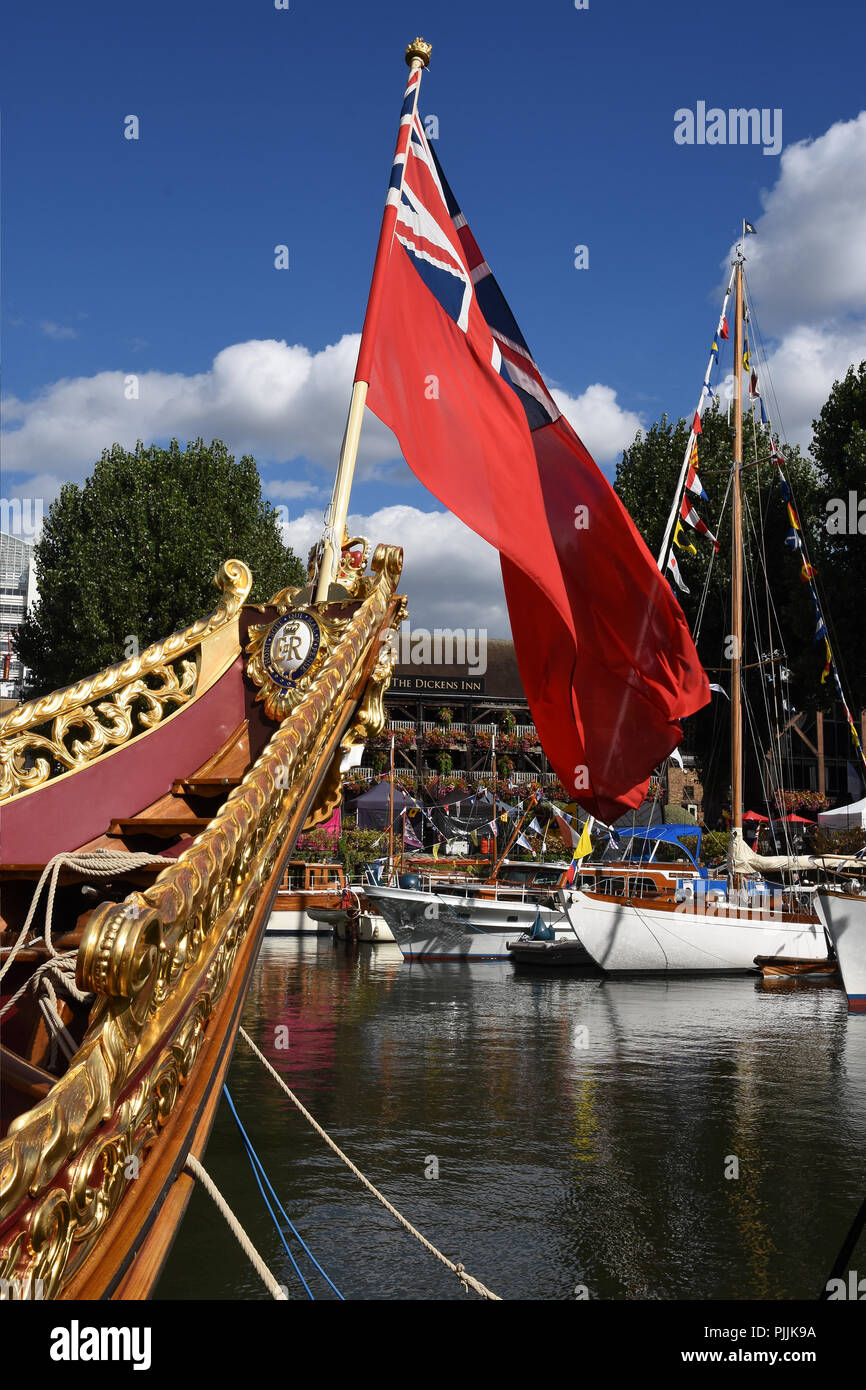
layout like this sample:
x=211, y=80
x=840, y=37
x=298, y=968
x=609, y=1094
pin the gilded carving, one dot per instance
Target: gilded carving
x=159, y=962
x=103, y=706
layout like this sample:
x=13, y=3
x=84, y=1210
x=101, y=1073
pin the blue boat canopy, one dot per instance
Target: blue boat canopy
x=644, y=836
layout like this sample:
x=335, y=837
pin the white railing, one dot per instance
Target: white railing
x=401, y=724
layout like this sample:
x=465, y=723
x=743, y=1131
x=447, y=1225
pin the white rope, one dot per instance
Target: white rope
x=198, y=1171
x=96, y=862
x=59, y=968
x=465, y=1279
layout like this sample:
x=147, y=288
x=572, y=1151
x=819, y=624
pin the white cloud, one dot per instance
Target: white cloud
x=808, y=259
x=263, y=397
x=451, y=577
x=806, y=270
x=57, y=331
x=605, y=428
x=288, y=489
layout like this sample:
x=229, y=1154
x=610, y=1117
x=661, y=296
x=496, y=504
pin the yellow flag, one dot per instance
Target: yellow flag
x=681, y=543
x=436, y=851
x=584, y=844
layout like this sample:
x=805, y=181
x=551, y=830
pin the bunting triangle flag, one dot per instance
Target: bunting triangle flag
x=697, y=427
x=723, y=328
x=691, y=518
x=693, y=482
x=436, y=851
x=584, y=844
x=807, y=571
x=678, y=578
x=825, y=673
x=680, y=543
x=565, y=829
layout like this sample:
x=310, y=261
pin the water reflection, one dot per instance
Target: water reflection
x=583, y=1129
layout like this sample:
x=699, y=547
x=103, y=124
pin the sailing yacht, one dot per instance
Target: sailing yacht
x=745, y=917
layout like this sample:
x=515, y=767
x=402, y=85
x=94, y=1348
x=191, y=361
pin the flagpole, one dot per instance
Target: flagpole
x=391, y=815
x=417, y=57
x=518, y=823
x=684, y=471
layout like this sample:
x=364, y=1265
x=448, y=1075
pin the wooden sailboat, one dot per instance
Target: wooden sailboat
x=162, y=837
x=750, y=920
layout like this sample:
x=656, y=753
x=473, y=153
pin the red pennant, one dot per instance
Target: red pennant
x=723, y=330
x=696, y=426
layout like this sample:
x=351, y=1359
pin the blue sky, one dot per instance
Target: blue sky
x=261, y=126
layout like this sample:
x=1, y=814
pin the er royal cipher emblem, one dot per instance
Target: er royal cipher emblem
x=290, y=649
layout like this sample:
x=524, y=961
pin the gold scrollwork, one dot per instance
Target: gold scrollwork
x=165, y=953
x=106, y=705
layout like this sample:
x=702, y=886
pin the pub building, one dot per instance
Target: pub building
x=445, y=716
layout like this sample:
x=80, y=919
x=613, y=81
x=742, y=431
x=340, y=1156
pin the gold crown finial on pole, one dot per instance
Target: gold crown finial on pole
x=418, y=53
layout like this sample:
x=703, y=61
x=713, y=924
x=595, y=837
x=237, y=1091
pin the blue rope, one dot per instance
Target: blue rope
x=256, y=1165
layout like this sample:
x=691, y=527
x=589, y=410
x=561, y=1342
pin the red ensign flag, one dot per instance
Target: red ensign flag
x=606, y=658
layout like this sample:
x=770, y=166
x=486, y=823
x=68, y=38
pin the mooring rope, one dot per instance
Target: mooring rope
x=465, y=1279
x=196, y=1170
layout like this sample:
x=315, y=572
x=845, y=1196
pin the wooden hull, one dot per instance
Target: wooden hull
x=92, y=1176
x=776, y=967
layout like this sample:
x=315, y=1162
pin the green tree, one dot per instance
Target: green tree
x=839, y=451
x=132, y=554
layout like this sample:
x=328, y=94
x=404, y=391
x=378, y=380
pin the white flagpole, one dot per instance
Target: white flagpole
x=417, y=56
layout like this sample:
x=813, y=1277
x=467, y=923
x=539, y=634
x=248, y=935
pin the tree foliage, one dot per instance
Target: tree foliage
x=839, y=451
x=132, y=554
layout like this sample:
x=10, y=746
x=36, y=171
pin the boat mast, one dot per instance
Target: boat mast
x=517, y=828
x=391, y=816
x=737, y=569
x=417, y=56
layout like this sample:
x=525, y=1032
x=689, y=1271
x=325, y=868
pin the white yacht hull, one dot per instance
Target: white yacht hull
x=845, y=916
x=623, y=936
x=436, y=926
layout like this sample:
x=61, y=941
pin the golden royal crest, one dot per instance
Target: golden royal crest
x=292, y=647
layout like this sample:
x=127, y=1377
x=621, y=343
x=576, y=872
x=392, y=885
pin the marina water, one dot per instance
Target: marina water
x=581, y=1129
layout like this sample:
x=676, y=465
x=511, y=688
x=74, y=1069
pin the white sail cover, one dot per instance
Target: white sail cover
x=742, y=860
x=851, y=817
